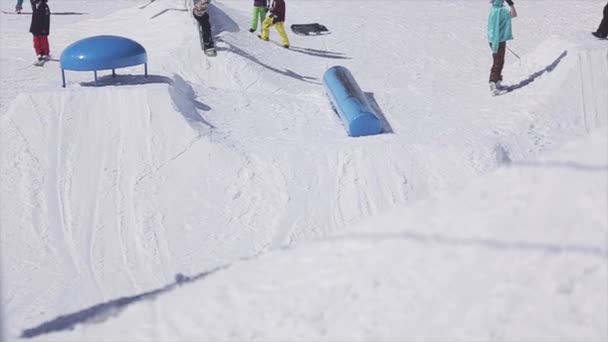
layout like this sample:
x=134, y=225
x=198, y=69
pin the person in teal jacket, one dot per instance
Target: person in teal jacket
x=499, y=32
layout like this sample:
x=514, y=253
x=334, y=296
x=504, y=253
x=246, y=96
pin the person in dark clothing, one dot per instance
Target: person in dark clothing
x=602, y=31
x=200, y=12
x=40, y=28
x=33, y=4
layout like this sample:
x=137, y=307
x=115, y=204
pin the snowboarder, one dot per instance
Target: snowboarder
x=499, y=32
x=19, y=6
x=602, y=31
x=41, y=22
x=200, y=12
x=276, y=18
x=260, y=7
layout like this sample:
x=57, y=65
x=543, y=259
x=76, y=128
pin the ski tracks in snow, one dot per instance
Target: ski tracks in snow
x=360, y=190
x=350, y=196
x=91, y=180
x=124, y=207
x=58, y=195
x=255, y=198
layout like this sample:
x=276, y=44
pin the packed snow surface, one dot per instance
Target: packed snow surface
x=221, y=198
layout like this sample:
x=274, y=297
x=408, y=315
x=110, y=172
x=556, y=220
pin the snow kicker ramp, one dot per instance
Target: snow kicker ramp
x=559, y=93
x=493, y=263
x=581, y=75
x=73, y=174
x=89, y=181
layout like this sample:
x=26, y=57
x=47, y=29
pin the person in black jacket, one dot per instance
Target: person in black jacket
x=200, y=11
x=602, y=31
x=41, y=22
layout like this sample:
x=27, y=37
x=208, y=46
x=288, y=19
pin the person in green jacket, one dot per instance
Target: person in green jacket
x=499, y=32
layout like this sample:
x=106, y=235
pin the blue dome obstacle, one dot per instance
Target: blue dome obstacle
x=103, y=53
x=351, y=104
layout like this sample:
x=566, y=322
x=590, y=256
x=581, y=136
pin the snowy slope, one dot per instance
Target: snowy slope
x=108, y=192
x=520, y=255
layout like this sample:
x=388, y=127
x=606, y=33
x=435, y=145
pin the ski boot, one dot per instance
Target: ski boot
x=496, y=88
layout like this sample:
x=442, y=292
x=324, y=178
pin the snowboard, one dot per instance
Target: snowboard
x=42, y=62
x=211, y=52
x=7, y=12
x=313, y=29
x=54, y=13
x=39, y=63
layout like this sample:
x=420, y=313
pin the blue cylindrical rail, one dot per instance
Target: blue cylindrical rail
x=351, y=103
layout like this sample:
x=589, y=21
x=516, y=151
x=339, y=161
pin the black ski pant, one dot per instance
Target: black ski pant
x=205, y=27
x=499, y=62
x=603, y=29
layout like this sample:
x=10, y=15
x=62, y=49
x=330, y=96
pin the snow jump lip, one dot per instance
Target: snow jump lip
x=351, y=103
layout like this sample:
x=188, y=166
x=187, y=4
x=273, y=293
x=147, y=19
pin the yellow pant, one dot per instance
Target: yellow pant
x=267, y=24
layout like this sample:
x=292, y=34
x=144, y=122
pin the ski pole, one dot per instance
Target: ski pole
x=514, y=54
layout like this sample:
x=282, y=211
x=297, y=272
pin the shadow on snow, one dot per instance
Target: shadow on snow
x=316, y=52
x=534, y=76
x=371, y=99
x=181, y=92
x=289, y=73
x=101, y=312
